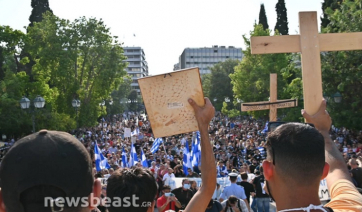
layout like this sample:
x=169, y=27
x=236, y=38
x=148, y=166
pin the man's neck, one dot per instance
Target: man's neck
x=297, y=198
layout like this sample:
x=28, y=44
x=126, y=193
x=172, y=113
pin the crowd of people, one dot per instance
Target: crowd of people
x=239, y=146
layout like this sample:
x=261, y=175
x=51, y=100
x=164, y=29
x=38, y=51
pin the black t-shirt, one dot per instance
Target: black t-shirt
x=252, y=167
x=172, y=164
x=216, y=207
x=183, y=196
x=259, y=182
x=257, y=158
x=357, y=175
x=248, y=187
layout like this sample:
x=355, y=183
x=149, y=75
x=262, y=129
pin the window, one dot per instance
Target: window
x=215, y=50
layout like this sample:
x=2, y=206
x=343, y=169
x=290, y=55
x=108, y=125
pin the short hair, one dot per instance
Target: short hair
x=128, y=182
x=244, y=176
x=166, y=187
x=232, y=199
x=297, y=151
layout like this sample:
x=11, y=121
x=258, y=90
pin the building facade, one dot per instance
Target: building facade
x=205, y=58
x=137, y=65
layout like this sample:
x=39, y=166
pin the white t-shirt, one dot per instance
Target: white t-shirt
x=166, y=178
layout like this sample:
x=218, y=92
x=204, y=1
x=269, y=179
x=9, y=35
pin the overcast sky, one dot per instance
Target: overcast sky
x=163, y=28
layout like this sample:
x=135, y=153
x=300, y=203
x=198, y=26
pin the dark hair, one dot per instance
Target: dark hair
x=232, y=199
x=166, y=187
x=33, y=198
x=297, y=151
x=128, y=182
x=244, y=176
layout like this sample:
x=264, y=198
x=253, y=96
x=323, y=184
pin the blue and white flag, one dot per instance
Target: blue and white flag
x=187, y=159
x=156, y=145
x=196, y=150
x=133, y=156
x=265, y=130
x=144, y=159
x=124, y=158
x=135, y=132
x=101, y=161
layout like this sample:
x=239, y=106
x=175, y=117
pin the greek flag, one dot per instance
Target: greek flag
x=143, y=159
x=124, y=158
x=156, y=145
x=187, y=159
x=196, y=150
x=135, y=132
x=265, y=130
x=133, y=156
x=101, y=161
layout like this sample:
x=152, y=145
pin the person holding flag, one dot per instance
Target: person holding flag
x=124, y=158
x=156, y=145
x=133, y=159
x=143, y=159
x=100, y=160
x=186, y=159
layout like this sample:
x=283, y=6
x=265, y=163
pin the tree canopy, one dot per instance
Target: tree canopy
x=263, y=20
x=282, y=19
x=342, y=71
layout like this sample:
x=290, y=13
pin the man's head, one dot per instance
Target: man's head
x=233, y=177
x=138, y=185
x=170, y=170
x=189, y=170
x=296, y=151
x=186, y=184
x=244, y=176
x=166, y=189
x=39, y=165
x=353, y=163
x=232, y=200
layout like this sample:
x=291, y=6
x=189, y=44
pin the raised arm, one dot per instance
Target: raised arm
x=337, y=166
x=203, y=196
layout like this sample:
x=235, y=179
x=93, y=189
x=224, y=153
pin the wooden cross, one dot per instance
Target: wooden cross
x=273, y=103
x=310, y=43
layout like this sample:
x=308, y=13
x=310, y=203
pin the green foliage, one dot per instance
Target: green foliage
x=251, y=80
x=39, y=8
x=220, y=83
x=72, y=60
x=230, y=113
x=342, y=71
x=263, y=20
x=282, y=19
x=206, y=84
x=331, y=4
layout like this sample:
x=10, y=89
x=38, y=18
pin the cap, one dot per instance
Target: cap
x=45, y=158
x=233, y=174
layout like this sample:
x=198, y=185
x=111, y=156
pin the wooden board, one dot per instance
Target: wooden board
x=166, y=100
x=253, y=106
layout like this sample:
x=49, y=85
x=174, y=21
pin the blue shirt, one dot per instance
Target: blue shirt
x=235, y=190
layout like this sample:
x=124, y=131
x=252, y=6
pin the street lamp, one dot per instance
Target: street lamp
x=215, y=99
x=337, y=97
x=39, y=103
x=227, y=99
x=76, y=106
x=4, y=137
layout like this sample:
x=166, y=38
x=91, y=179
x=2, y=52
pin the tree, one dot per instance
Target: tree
x=262, y=17
x=39, y=8
x=251, y=80
x=282, y=19
x=82, y=60
x=220, y=83
x=333, y=5
x=342, y=71
x=206, y=84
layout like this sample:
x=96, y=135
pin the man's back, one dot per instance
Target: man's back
x=248, y=187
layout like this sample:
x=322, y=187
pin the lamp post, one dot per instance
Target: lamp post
x=76, y=106
x=215, y=99
x=337, y=97
x=38, y=102
x=4, y=137
x=227, y=99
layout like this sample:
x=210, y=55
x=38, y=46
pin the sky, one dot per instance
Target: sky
x=164, y=28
